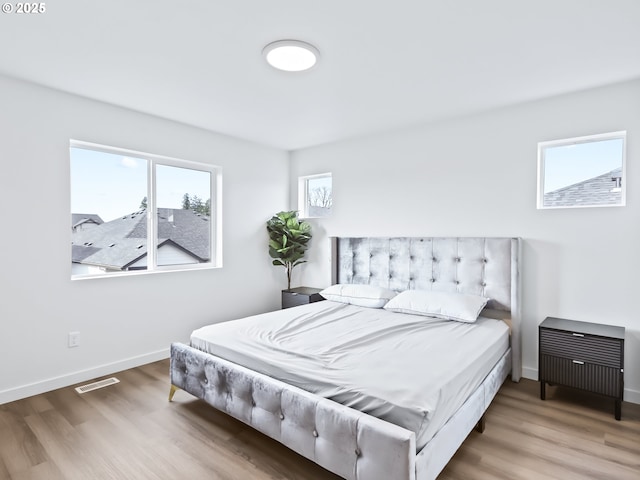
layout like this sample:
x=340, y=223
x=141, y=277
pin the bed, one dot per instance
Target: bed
x=348, y=441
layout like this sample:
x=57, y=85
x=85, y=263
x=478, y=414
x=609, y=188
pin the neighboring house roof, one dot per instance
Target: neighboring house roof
x=598, y=190
x=79, y=253
x=121, y=242
x=78, y=219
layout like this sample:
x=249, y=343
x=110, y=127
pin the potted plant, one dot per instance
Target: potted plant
x=288, y=239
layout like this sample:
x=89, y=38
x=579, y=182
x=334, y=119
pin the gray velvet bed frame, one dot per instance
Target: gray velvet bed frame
x=350, y=443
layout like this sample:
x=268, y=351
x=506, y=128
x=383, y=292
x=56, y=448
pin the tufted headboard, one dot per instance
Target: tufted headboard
x=474, y=265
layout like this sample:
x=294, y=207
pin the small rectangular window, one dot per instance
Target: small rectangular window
x=133, y=211
x=315, y=195
x=582, y=172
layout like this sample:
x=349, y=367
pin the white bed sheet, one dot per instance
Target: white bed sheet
x=410, y=370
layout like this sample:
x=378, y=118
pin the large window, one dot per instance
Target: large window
x=132, y=212
x=315, y=195
x=582, y=172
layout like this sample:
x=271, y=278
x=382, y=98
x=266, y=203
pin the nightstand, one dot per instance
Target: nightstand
x=582, y=355
x=300, y=296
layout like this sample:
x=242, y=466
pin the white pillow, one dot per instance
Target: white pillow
x=361, y=295
x=449, y=306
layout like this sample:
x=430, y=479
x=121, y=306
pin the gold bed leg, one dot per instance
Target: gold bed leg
x=172, y=392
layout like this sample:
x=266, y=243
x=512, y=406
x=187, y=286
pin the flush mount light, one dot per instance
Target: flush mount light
x=291, y=55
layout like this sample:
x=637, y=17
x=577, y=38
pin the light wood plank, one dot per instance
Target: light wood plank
x=130, y=430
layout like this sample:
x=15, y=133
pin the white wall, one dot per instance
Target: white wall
x=476, y=176
x=122, y=321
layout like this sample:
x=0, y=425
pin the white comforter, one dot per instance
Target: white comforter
x=410, y=370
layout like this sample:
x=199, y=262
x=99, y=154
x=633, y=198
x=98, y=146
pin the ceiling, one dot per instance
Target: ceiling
x=384, y=65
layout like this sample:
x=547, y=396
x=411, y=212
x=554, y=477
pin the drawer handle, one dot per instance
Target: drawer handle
x=578, y=334
x=578, y=362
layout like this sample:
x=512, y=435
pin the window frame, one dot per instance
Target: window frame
x=542, y=146
x=303, y=193
x=215, y=219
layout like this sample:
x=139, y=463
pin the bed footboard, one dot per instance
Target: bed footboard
x=351, y=444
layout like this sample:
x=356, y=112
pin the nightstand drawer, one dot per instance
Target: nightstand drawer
x=586, y=376
x=583, y=347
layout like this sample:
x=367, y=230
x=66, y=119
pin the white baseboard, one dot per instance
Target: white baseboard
x=530, y=373
x=631, y=396
x=31, y=389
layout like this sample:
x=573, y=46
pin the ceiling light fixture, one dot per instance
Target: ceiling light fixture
x=291, y=55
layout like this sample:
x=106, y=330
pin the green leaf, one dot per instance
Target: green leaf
x=273, y=244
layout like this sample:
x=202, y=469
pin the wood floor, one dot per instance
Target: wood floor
x=130, y=431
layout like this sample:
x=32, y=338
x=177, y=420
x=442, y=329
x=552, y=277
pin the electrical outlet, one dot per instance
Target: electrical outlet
x=74, y=339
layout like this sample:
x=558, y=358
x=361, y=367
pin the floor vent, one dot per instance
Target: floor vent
x=96, y=385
